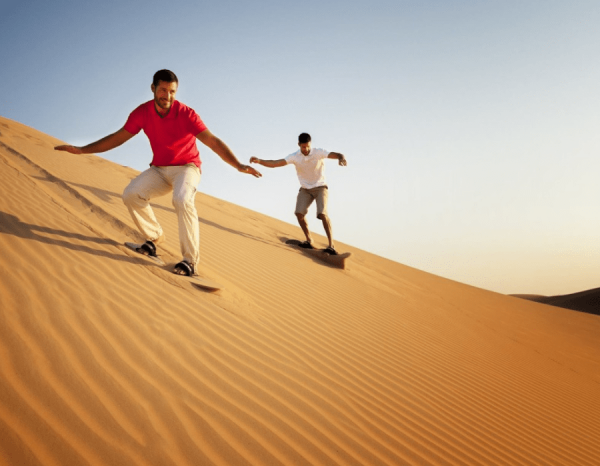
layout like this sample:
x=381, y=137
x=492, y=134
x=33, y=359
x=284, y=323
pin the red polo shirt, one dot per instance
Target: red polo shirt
x=173, y=137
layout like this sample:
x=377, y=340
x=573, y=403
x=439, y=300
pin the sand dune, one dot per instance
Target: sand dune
x=584, y=301
x=106, y=359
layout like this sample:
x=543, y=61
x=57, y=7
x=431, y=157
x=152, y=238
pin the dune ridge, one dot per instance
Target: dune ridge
x=583, y=301
x=107, y=359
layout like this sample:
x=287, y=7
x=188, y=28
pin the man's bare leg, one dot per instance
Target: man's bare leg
x=327, y=226
x=304, y=226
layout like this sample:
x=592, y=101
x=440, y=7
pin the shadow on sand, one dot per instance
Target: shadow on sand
x=11, y=225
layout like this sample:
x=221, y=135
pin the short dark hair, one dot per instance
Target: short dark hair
x=304, y=138
x=166, y=76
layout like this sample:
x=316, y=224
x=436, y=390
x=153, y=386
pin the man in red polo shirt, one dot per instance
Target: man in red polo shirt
x=172, y=129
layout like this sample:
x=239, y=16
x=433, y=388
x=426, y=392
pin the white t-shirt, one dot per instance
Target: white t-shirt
x=309, y=168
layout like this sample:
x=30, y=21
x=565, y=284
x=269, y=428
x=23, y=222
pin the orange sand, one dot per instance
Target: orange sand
x=106, y=359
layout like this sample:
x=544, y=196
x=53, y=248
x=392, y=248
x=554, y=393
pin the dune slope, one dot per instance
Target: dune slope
x=107, y=359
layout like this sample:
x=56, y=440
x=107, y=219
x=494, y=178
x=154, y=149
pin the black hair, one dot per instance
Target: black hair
x=304, y=138
x=166, y=76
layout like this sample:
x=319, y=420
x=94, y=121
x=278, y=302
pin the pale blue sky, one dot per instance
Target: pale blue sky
x=470, y=127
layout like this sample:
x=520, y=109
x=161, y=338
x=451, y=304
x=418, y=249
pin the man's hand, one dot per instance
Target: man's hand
x=340, y=157
x=71, y=149
x=254, y=159
x=251, y=171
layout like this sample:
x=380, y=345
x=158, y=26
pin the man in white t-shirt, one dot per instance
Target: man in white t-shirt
x=310, y=167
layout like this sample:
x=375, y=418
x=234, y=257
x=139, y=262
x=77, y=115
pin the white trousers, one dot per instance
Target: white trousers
x=158, y=181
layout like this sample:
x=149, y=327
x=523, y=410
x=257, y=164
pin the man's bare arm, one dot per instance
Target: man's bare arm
x=222, y=150
x=105, y=144
x=338, y=156
x=269, y=163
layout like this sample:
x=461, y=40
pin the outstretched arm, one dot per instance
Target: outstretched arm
x=107, y=143
x=269, y=163
x=220, y=148
x=338, y=156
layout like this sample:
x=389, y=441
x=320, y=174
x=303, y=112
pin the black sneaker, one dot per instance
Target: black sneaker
x=183, y=268
x=148, y=248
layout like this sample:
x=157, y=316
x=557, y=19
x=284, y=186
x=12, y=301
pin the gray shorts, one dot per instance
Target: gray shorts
x=307, y=196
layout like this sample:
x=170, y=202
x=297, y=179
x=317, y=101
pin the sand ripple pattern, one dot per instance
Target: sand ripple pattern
x=106, y=359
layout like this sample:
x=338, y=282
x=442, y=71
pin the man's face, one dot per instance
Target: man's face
x=164, y=94
x=305, y=147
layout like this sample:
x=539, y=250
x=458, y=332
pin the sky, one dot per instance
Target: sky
x=471, y=128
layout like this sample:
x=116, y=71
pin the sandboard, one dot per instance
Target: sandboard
x=338, y=260
x=196, y=280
